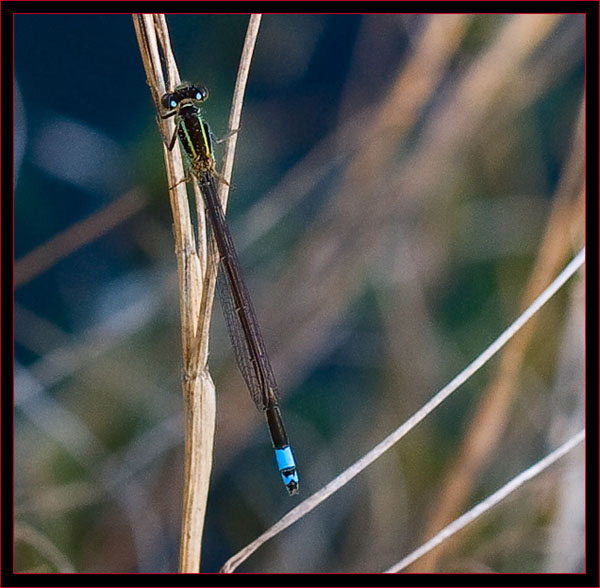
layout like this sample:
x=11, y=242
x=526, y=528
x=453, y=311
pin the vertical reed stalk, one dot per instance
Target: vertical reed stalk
x=197, y=270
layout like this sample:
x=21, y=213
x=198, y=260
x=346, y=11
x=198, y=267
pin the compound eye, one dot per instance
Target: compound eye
x=200, y=93
x=168, y=101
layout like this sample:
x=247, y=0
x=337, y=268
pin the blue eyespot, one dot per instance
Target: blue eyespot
x=198, y=95
x=173, y=103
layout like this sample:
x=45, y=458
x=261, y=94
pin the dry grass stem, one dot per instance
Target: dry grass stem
x=491, y=501
x=366, y=460
x=197, y=272
x=566, y=218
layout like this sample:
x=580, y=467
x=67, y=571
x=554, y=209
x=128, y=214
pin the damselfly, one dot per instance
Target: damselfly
x=248, y=345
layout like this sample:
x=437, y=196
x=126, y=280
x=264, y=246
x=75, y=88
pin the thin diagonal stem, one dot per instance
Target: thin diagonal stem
x=491, y=501
x=342, y=479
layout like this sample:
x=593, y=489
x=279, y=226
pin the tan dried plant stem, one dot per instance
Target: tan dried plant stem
x=564, y=233
x=197, y=271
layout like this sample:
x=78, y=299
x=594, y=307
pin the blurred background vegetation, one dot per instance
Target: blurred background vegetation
x=404, y=185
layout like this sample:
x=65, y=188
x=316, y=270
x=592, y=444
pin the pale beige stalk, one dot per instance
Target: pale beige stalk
x=197, y=272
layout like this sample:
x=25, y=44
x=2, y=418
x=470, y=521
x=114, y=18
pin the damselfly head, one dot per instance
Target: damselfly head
x=184, y=91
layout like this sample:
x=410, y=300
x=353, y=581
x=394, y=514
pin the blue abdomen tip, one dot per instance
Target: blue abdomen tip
x=285, y=458
x=287, y=468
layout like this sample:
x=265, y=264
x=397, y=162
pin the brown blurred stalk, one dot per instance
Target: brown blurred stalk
x=563, y=235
